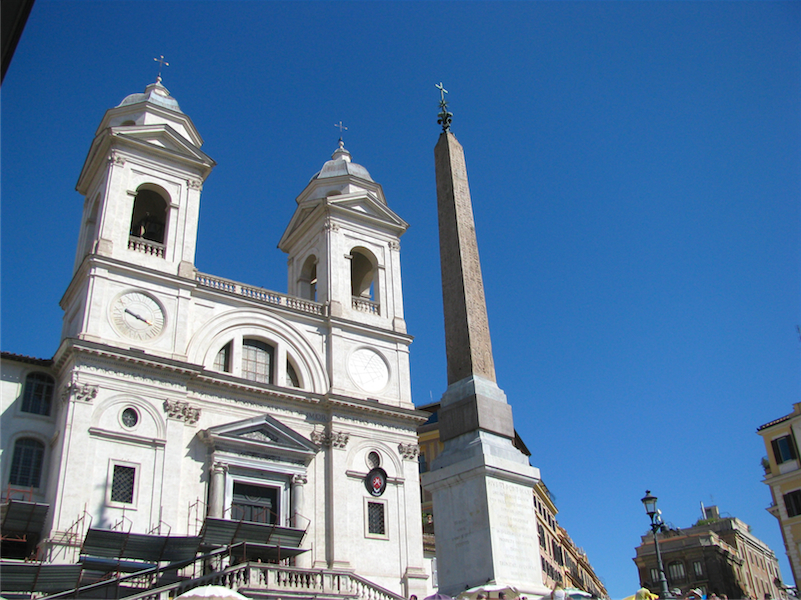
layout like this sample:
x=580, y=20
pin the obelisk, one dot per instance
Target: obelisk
x=482, y=486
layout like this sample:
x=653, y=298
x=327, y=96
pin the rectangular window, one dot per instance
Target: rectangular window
x=26, y=463
x=792, y=502
x=257, y=358
x=254, y=503
x=122, y=484
x=698, y=569
x=654, y=575
x=38, y=394
x=784, y=449
x=676, y=571
x=375, y=518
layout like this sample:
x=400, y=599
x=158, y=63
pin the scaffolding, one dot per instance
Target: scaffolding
x=115, y=563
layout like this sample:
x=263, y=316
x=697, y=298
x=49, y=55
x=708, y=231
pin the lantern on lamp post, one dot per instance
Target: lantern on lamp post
x=649, y=502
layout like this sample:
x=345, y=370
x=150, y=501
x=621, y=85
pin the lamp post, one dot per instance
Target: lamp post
x=656, y=523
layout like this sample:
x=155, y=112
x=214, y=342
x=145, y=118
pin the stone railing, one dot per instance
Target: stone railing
x=289, y=582
x=259, y=294
x=364, y=305
x=144, y=246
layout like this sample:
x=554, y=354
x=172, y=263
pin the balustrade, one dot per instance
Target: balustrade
x=259, y=294
x=138, y=244
x=278, y=579
x=364, y=305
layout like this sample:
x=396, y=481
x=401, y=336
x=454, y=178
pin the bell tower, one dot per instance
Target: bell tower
x=141, y=183
x=344, y=245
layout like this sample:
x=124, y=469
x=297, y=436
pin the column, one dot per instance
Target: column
x=217, y=490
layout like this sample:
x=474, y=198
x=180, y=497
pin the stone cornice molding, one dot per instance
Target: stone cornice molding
x=344, y=405
x=126, y=437
x=181, y=411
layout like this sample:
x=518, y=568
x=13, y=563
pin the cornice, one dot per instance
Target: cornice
x=198, y=379
x=93, y=261
x=346, y=406
x=118, y=356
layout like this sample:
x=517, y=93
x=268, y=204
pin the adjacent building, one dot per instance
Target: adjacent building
x=716, y=555
x=783, y=476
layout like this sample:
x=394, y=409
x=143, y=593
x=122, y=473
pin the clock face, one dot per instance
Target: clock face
x=137, y=316
x=368, y=370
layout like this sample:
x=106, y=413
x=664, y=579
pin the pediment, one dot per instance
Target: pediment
x=161, y=136
x=263, y=435
x=360, y=207
x=369, y=205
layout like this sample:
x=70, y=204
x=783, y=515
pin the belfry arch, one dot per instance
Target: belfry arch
x=149, y=215
x=363, y=269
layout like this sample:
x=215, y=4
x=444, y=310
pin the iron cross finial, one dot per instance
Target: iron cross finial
x=162, y=63
x=341, y=128
x=444, y=115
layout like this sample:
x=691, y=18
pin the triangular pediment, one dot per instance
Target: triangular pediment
x=360, y=207
x=161, y=136
x=263, y=435
x=367, y=204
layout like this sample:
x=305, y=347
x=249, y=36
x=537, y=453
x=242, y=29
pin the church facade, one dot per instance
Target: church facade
x=176, y=397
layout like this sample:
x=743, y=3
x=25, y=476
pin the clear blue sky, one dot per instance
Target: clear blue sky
x=635, y=175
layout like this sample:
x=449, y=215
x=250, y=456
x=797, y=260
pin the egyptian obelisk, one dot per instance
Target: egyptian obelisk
x=482, y=486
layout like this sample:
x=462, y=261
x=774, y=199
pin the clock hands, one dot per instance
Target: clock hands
x=135, y=316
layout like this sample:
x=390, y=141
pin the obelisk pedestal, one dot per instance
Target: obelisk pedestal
x=482, y=486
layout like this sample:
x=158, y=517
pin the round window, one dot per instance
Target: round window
x=130, y=417
x=373, y=460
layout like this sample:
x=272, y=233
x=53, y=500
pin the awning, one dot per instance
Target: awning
x=222, y=532
x=18, y=516
x=38, y=577
x=248, y=551
x=104, y=543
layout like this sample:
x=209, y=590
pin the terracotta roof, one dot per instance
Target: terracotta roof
x=42, y=362
x=776, y=422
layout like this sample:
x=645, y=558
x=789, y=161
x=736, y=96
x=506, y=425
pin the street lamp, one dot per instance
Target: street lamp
x=656, y=524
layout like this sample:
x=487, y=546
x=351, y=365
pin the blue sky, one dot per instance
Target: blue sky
x=634, y=169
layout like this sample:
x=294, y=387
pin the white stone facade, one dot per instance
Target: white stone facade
x=196, y=387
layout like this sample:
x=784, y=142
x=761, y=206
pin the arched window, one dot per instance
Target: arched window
x=257, y=360
x=149, y=218
x=38, y=395
x=307, y=287
x=292, y=378
x=362, y=271
x=90, y=229
x=26, y=464
x=222, y=362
